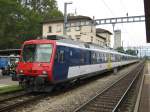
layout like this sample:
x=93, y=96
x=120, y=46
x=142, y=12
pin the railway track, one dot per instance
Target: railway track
x=21, y=98
x=12, y=95
x=110, y=99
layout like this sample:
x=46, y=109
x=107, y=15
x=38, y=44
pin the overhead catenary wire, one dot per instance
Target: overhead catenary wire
x=123, y=6
x=108, y=8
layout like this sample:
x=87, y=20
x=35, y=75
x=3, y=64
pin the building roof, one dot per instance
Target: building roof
x=100, y=36
x=100, y=30
x=70, y=18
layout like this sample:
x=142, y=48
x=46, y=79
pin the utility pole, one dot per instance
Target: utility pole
x=113, y=25
x=65, y=17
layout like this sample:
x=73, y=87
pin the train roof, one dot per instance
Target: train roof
x=61, y=40
x=87, y=46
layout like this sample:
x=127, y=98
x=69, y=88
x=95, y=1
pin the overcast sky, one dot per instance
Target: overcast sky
x=133, y=34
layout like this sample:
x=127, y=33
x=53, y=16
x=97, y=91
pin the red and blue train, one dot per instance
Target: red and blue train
x=45, y=63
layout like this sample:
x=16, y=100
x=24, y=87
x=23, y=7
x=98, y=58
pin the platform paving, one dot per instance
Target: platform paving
x=144, y=99
x=144, y=105
x=6, y=81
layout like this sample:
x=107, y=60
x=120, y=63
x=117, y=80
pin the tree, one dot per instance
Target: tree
x=20, y=20
x=9, y=9
x=43, y=7
x=131, y=52
x=120, y=49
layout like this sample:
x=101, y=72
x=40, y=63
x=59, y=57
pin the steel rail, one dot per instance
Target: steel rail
x=105, y=90
x=120, y=101
x=20, y=100
x=12, y=96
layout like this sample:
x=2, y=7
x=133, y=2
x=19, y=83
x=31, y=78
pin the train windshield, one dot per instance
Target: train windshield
x=37, y=53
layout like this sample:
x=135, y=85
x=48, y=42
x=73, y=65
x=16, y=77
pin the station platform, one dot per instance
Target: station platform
x=144, y=105
x=6, y=81
x=143, y=100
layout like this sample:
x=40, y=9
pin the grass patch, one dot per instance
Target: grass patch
x=8, y=89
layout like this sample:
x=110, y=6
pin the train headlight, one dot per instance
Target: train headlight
x=21, y=71
x=44, y=72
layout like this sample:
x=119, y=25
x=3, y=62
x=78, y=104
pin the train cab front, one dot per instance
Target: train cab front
x=34, y=71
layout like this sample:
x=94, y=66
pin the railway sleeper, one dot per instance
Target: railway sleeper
x=101, y=105
x=114, y=93
x=109, y=98
x=96, y=110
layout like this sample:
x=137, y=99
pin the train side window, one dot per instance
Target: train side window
x=70, y=53
x=99, y=58
x=82, y=58
x=57, y=56
x=93, y=57
x=105, y=57
x=61, y=56
x=121, y=58
x=108, y=57
x=116, y=58
x=87, y=59
x=113, y=57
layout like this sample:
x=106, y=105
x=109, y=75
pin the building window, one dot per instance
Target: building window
x=70, y=36
x=68, y=29
x=58, y=28
x=87, y=23
x=98, y=42
x=101, y=43
x=49, y=29
x=61, y=56
x=78, y=37
x=91, y=28
x=78, y=28
x=91, y=39
x=83, y=23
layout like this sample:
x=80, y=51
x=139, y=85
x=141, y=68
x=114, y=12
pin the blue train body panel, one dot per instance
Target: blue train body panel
x=4, y=62
x=71, y=59
x=68, y=57
x=61, y=64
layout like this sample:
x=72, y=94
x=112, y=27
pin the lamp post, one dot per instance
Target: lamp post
x=65, y=16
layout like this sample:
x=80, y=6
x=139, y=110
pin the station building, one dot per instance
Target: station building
x=104, y=36
x=84, y=33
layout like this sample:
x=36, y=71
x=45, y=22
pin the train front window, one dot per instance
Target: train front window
x=37, y=53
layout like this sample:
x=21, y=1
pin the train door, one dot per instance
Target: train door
x=61, y=64
x=109, y=63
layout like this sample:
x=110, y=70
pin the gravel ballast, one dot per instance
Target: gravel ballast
x=70, y=100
